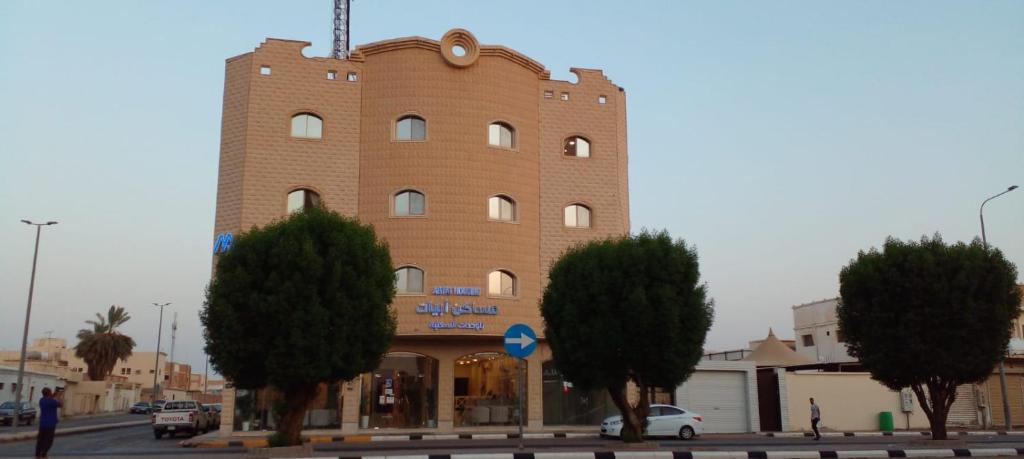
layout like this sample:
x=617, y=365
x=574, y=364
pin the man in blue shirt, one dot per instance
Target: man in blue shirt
x=47, y=421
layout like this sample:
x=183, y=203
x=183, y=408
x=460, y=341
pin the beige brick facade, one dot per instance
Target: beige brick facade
x=358, y=166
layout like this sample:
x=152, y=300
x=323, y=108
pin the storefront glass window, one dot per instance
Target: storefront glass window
x=567, y=405
x=402, y=393
x=257, y=410
x=486, y=391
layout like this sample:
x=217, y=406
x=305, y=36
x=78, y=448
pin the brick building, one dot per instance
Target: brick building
x=478, y=170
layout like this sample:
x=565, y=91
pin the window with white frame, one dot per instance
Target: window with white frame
x=307, y=126
x=576, y=216
x=501, y=283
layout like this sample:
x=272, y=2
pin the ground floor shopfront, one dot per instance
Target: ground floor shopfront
x=439, y=384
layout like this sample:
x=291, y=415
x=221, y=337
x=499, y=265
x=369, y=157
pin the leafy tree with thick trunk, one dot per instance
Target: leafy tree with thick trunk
x=626, y=310
x=929, y=316
x=103, y=346
x=300, y=302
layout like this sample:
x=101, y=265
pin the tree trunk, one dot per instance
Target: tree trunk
x=940, y=398
x=296, y=399
x=632, y=429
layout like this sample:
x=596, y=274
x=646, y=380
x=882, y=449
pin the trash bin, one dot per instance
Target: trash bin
x=885, y=423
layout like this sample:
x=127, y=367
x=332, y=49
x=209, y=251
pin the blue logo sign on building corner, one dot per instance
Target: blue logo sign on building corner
x=223, y=242
x=520, y=341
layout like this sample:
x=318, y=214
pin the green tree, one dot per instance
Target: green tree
x=299, y=302
x=627, y=309
x=928, y=316
x=102, y=346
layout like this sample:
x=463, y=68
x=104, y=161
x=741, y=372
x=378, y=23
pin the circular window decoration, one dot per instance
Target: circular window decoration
x=460, y=48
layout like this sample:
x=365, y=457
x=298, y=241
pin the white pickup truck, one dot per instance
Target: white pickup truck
x=180, y=416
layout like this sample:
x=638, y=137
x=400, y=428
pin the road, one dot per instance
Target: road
x=79, y=422
x=134, y=441
x=138, y=442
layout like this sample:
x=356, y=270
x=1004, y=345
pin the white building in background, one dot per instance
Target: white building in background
x=816, y=328
x=32, y=383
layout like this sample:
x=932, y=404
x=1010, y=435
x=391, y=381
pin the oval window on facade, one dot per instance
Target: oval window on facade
x=577, y=216
x=501, y=208
x=302, y=199
x=577, y=146
x=501, y=283
x=409, y=280
x=411, y=128
x=307, y=126
x=409, y=203
x=501, y=135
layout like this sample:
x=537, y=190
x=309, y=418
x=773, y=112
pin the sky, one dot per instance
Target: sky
x=779, y=138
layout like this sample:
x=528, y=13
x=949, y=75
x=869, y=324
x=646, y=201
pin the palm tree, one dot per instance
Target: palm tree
x=103, y=346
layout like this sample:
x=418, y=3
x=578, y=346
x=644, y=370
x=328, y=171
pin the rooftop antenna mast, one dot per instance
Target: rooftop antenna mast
x=174, y=335
x=341, y=16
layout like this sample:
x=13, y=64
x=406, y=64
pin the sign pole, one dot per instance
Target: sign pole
x=521, y=413
x=520, y=342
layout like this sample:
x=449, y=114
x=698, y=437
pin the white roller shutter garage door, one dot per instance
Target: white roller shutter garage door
x=720, y=397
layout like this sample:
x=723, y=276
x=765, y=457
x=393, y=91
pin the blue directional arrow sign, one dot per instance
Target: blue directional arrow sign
x=520, y=341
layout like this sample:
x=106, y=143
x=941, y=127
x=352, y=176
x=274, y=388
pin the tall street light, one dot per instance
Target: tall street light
x=156, y=361
x=1002, y=367
x=28, y=315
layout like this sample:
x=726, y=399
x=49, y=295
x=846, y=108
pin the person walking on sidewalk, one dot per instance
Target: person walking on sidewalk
x=815, y=419
x=47, y=421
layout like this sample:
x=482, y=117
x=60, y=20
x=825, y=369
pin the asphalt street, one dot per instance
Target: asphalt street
x=134, y=441
x=79, y=422
x=138, y=442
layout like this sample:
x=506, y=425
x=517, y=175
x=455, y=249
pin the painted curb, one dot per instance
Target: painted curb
x=990, y=433
x=866, y=454
x=22, y=436
x=315, y=439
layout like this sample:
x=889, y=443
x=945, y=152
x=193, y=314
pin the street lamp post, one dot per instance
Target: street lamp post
x=156, y=360
x=28, y=315
x=1002, y=368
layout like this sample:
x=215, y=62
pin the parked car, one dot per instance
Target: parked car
x=662, y=421
x=27, y=417
x=213, y=414
x=180, y=416
x=158, y=405
x=141, y=408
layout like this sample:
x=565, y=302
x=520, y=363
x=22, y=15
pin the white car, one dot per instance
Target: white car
x=662, y=421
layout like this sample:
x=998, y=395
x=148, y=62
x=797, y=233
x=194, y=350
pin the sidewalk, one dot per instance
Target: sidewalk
x=22, y=436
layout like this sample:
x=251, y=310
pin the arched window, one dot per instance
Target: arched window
x=411, y=128
x=501, y=208
x=577, y=146
x=409, y=202
x=501, y=283
x=409, y=279
x=577, y=216
x=302, y=199
x=307, y=126
x=501, y=135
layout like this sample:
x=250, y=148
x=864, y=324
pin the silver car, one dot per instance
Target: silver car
x=27, y=417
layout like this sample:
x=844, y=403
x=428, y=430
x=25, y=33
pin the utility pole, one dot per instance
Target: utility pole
x=156, y=361
x=206, y=376
x=24, y=336
x=1002, y=367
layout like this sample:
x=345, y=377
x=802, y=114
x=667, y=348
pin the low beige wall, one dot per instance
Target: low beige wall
x=848, y=402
